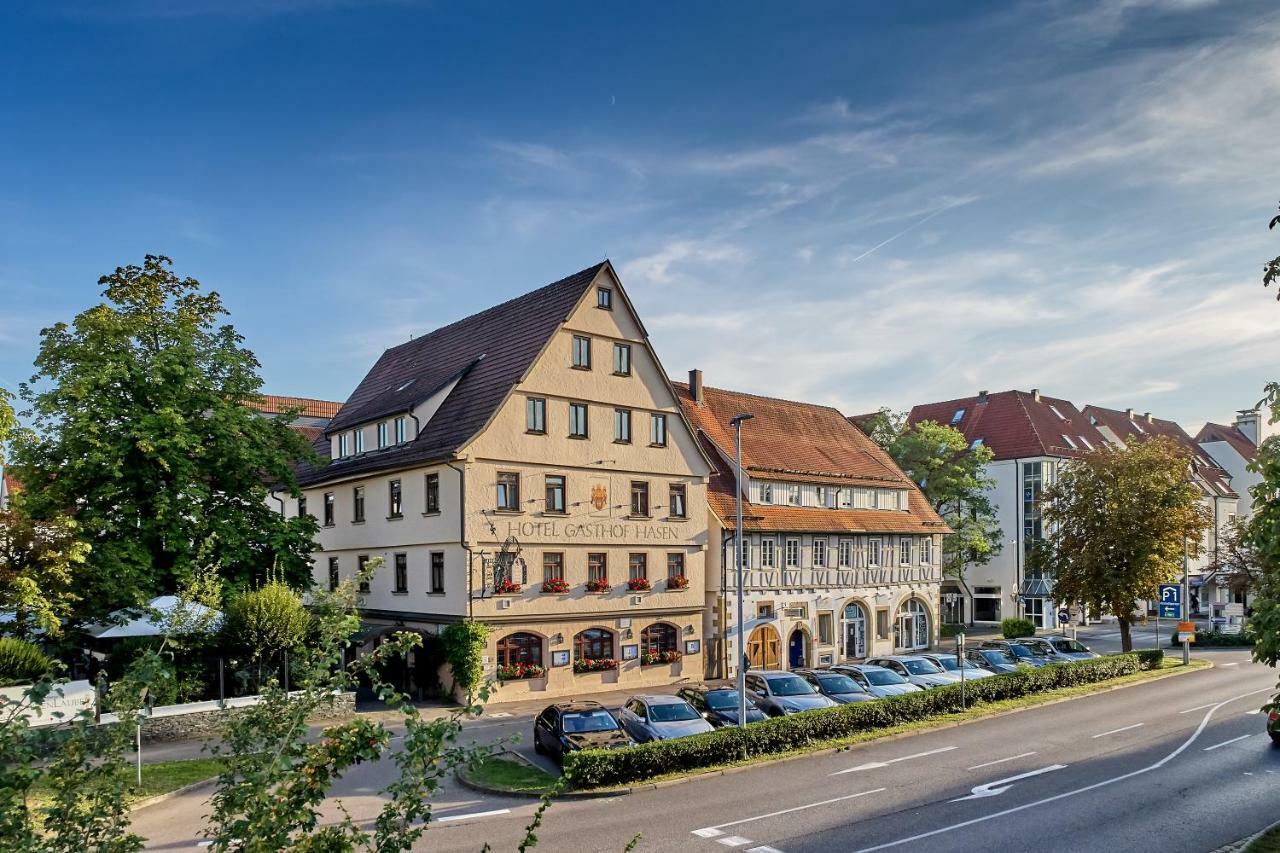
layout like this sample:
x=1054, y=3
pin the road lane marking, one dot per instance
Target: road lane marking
x=994, y=789
x=733, y=841
x=1198, y=708
x=873, y=765
x=1000, y=761
x=1254, y=711
x=764, y=849
x=1226, y=743
x=492, y=813
x=1117, y=731
x=716, y=830
x=1233, y=663
x=1065, y=794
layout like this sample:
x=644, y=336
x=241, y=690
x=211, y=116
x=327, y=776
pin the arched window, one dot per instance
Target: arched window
x=913, y=625
x=658, y=638
x=593, y=644
x=520, y=648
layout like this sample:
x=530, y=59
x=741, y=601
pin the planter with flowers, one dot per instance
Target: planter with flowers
x=555, y=586
x=517, y=671
x=594, y=664
x=656, y=658
x=600, y=585
x=506, y=586
x=638, y=584
x=677, y=582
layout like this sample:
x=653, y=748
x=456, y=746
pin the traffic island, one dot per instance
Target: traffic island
x=507, y=773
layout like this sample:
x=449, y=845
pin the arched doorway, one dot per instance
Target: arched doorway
x=912, y=629
x=762, y=648
x=798, y=649
x=855, y=631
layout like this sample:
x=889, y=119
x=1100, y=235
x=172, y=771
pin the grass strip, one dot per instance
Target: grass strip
x=159, y=778
x=509, y=776
x=1268, y=842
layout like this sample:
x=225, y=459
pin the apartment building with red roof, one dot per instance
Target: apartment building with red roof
x=843, y=550
x=1234, y=446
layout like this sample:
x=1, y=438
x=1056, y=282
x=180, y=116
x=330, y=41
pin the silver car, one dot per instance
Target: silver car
x=780, y=693
x=648, y=718
x=917, y=669
x=1065, y=648
x=877, y=680
x=951, y=666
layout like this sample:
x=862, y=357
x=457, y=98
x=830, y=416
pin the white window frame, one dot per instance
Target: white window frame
x=904, y=551
x=769, y=552
x=382, y=434
x=400, y=430
x=875, y=551
x=359, y=441
x=820, y=553
x=794, y=494
x=845, y=554
x=766, y=493
x=926, y=551
x=344, y=445
x=791, y=552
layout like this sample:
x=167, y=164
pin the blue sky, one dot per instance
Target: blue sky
x=853, y=203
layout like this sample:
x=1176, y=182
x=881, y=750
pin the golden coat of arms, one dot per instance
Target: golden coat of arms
x=599, y=497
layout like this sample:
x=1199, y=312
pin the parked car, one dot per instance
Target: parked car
x=778, y=693
x=719, y=705
x=648, y=718
x=877, y=680
x=570, y=726
x=919, y=670
x=952, y=666
x=835, y=685
x=1017, y=649
x=995, y=660
x=1273, y=726
x=1070, y=649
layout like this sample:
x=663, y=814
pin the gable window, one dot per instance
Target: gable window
x=357, y=505
x=638, y=567
x=359, y=435
x=819, y=553
x=658, y=430
x=394, y=500
x=554, y=493
x=768, y=557
x=676, y=502
x=577, y=420
x=402, y=573
x=535, y=415
x=382, y=434
x=361, y=562
x=873, y=552
x=640, y=498
x=302, y=505
x=344, y=445
x=553, y=566
x=622, y=359
x=581, y=352
x=437, y=572
x=433, y=493
x=333, y=574
x=400, y=433
x=675, y=565
x=598, y=568
x=508, y=491
x=604, y=298
x=904, y=552
x=844, y=554
x=328, y=509
x=793, y=553
x=622, y=425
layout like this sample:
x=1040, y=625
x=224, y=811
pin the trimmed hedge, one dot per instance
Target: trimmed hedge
x=1015, y=627
x=1211, y=640
x=596, y=768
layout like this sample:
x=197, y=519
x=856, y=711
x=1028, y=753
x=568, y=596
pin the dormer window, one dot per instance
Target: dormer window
x=359, y=434
x=1069, y=442
x=766, y=493
x=382, y=435
x=957, y=417
x=400, y=431
x=793, y=494
x=1054, y=409
x=344, y=445
x=604, y=298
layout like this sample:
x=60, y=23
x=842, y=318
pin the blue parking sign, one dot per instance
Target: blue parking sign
x=1170, y=601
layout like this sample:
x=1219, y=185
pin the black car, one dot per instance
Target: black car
x=835, y=685
x=719, y=705
x=570, y=726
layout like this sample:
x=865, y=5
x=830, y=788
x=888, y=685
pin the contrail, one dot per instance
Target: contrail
x=918, y=222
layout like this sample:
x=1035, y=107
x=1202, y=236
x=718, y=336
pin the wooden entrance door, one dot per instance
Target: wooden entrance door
x=763, y=647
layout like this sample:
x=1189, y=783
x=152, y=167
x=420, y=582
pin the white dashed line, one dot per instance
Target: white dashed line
x=473, y=814
x=1001, y=761
x=1117, y=731
x=1198, y=708
x=763, y=849
x=733, y=841
x=1226, y=743
x=712, y=831
x=872, y=765
x=709, y=832
x=1233, y=663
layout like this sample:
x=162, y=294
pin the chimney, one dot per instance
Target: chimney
x=1129, y=412
x=1150, y=419
x=982, y=396
x=695, y=386
x=1247, y=423
x=1035, y=394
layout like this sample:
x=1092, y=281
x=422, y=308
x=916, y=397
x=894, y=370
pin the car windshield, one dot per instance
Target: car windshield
x=839, y=684
x=1020, y=651
x=882, y=677
x=997, y=656
x=920, y=667
x=1065, y=645
x=1038, y=647
x=672, y=712
x=589, y=721
x=724, y=700
x=789, y=685
x=950, y=664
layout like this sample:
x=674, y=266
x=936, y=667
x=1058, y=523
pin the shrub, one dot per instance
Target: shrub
x=1013, y=628
x=21, y=662
x=1150, y=658
x=266, y=621
x=595, y=768
x=464, y=644
x=948, y=631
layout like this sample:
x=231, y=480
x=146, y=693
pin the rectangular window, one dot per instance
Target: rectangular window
x=638, y=567
x=764, y=611
x=676, y=507
x=640, y=498
x=577, y=420
x=361, y=561
x=658, y=430
x=357, y=505
x=793, y=553
x=793, y=494
x=581, y=352
x=400, y=433
x=302, y=505
x=846, y=498
x=873, y=552
x=926, y=551
x=382, y=435
x=604, y=298
x=882, y=623
x=675, y=565
x=768, y=557
x=553, y=566
x=622, y=359
x=845, y=555
x=394, y=500
x=826, y=634
x=555, y=493
x=598, y=568
x=328, y=509
x=766, y=493
x=437, y=572
x=904, y=552
x=433, y=493
x=359, y=436
x=822, y=493
x=402, y=573
x=508, y=491
x=344, y=445
x=535, y=415
x=622, y=425
x=819, y=553
x=334, y=575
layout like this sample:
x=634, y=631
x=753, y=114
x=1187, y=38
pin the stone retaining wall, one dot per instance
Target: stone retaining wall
x=173, y=723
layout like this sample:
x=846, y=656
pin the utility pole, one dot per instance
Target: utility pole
x=736, y=423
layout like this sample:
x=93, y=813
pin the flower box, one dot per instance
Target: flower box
x=555, y=586
x=506, y=587
x=638, y=584
x=654, y=659
x=594, y=664
x=598, y=586
x=677, y=582
x=517, y=671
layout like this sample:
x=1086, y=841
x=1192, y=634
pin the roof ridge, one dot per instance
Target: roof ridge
x=705, y=388
x=1031, y=422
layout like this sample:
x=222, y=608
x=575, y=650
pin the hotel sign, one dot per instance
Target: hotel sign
x=595, y=531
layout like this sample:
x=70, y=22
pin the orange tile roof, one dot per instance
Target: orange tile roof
x=11, y=485
x=273, y=404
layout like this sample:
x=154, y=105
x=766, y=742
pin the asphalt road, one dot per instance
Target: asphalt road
x=1180, y=764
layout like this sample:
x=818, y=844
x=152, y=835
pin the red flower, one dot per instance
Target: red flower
x=506, y=586
x=677, y=582
x=600, y=585
x=638, y=584
x=555, y=585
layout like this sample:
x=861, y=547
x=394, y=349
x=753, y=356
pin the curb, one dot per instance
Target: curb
x=1243, y=844
x=693, y=776
x=176, y=792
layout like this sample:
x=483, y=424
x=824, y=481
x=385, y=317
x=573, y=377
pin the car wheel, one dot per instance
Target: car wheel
x=1275, y=738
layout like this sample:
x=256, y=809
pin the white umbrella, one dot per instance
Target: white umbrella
x=161, y=612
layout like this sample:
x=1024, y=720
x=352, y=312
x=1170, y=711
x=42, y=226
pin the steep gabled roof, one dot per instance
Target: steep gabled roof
x=1130, y=426
x=1016, y=424
x=486, y=353
x=1232, y=436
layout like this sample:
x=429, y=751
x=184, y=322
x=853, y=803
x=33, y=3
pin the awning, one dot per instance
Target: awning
x=155, y=618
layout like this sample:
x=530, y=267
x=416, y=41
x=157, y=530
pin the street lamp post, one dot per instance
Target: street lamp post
x=736, y=423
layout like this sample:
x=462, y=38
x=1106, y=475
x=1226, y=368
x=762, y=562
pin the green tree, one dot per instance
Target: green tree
x=1264, y=538
x=884, y=426
x=266, y=623
x=951, y=473
x=38, y=564
x=141, y=430
x=1119, y=520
